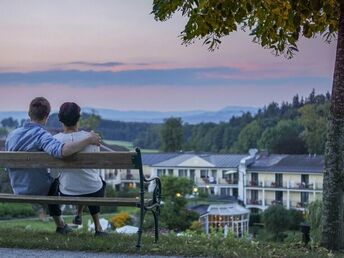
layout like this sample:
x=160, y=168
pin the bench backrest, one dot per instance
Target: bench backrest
x=115, y=160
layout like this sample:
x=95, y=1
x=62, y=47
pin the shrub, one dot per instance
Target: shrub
x=296, y=217
x=314, y=218
x=196, y=227
x=120, y=220
x=276, y=219
x=14, y=210
x=177, y=217
x=148, y=223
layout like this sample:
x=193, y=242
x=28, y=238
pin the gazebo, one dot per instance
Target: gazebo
x=226, y=217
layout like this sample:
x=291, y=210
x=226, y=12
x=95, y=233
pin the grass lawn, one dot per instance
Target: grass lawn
x=34, y=234
x=129, y=145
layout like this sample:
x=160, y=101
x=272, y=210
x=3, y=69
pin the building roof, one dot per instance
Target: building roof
x=224, y=160
x=288, y=163
x=199, y=208
x=226, y=209
x=154, y=158
x=209, y=160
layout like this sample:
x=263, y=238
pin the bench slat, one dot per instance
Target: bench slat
x=114, y=160
x=97, y=201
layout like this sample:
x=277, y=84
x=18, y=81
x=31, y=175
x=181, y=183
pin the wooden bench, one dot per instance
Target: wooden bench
x=110, y=160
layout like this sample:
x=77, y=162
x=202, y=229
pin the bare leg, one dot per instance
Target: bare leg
x=97, y=225
x=58, y=221
x=80, y=209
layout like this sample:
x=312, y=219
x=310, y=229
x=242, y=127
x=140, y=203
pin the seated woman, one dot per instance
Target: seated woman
x=79, y=182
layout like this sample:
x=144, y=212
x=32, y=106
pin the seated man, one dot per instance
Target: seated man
x=33, y=137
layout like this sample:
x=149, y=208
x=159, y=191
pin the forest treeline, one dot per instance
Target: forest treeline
x=296, y=127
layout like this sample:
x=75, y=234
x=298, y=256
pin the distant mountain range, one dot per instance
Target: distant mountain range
x=191, y=117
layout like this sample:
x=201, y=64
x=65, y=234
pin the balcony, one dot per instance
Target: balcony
x=254, y=202
x=276, y=185
x=209, y=180
x=254, y=184
x=276, y=202
x=231, y=181
x=298, y=205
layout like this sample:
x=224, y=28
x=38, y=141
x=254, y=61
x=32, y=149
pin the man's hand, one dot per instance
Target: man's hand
x=94, y=138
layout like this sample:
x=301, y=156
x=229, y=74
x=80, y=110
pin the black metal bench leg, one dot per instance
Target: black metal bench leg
x=156, y=224
x=139, y=232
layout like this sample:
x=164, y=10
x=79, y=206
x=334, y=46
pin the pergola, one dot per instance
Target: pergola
x=226, y=216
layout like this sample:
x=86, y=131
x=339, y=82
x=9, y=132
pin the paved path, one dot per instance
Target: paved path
x=32, y=253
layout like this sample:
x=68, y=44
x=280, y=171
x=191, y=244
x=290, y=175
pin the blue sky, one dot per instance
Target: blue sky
x=113, y=54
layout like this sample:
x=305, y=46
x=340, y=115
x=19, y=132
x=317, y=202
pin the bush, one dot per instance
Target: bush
x=276, y=219
x=177, y=217
x=314, y=218
x=296, y=218
x=120, y=220
x=14, y=210
x=148, y=223
x=197, y=227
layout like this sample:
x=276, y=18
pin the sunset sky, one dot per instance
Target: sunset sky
x=113, y=54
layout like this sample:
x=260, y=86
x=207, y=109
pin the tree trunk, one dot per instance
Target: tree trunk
x=333, y=197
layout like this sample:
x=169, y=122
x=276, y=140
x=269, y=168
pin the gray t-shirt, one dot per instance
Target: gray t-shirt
x=78, y=181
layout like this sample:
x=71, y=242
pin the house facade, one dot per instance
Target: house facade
x=257, y=179
x=291, y=180
x=214, y=174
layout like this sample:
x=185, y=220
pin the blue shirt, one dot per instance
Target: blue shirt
x=32, y=137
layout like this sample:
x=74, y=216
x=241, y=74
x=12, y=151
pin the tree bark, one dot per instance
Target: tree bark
x=333, y=195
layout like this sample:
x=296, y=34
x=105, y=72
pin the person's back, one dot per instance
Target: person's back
x=32, y=137
x=78, y=181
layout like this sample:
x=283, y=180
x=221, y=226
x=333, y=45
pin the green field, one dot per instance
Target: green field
x=129, y=145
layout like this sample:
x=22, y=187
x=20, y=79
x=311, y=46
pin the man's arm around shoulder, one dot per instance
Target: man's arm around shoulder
x=73, y=147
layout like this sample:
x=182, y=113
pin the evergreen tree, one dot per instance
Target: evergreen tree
x=172, y=134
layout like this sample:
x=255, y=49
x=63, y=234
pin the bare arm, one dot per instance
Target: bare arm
x=73, y=147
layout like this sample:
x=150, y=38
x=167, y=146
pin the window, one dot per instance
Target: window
x=192, y=174
x=182, y=172
x=279, y=196
x=236, y=178
x=161, y=172
x=254, y=179
x=305, y=181
x=279, y=180
x=170, y=172
x=235, y=192
x=204, y=173
x=304, y=198
x=224, y=191
x=254, y=195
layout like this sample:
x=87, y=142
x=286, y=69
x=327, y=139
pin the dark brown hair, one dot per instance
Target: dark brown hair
x=69, y=114
x=39, y=109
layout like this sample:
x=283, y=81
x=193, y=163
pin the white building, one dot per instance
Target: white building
x=216, y=174
x=258, y=180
